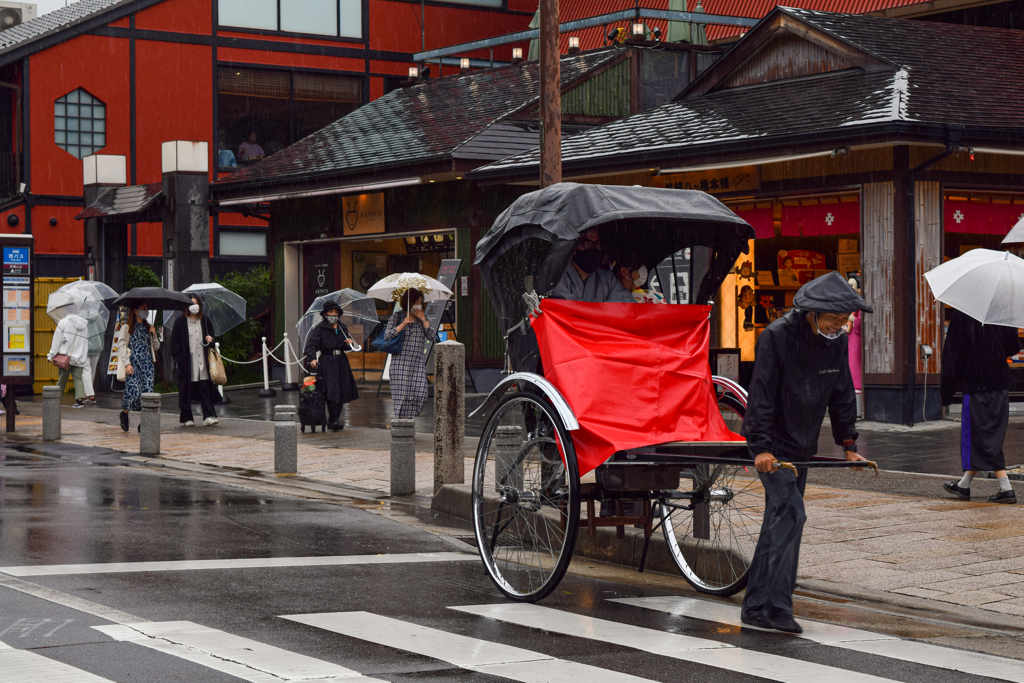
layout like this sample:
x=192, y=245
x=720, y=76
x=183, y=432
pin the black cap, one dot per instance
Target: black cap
x=830, y=293
x=329, y=305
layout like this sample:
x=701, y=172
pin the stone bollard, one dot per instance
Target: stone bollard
x=403, y=457
x=449, y=414
x=51, y=413
x=286, y=441
x=149, y=432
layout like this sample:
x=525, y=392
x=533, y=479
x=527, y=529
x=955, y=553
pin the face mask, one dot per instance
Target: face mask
x=639, y=282
x=332, y=319
x=417, y=308
x=193, y=309
x=589, y=260
x=142, y=315
x=830, y=337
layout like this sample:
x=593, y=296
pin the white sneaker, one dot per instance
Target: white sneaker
x=190, y=423
x=210, y=421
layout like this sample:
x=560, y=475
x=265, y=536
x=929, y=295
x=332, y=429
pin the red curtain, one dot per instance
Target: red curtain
x=842, y=218
x=762, y=220
x=634, y=374
x=979, y=218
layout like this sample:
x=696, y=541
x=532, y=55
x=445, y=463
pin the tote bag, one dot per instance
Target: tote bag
x=217, y=374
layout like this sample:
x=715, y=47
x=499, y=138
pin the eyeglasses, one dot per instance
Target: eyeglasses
x=587, y=245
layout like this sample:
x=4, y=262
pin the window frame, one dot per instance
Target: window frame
x=249, y=230
x=364, y=8
x=66, y=130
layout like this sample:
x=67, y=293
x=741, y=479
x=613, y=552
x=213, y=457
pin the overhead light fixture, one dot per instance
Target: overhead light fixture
x=464, y=63
x=433, y=181
x=414, y=72
x=345, y=189
x=517, y=54
x=574, y=43
x=657, y=33
x=638, y=30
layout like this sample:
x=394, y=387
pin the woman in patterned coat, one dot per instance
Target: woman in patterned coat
x=137, y=345
x=408, y=369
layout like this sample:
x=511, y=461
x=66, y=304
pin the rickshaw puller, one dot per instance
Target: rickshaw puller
x=801, y=369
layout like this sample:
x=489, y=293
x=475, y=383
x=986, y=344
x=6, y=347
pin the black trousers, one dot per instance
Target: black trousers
x=983, y=424
x=334, y=411
x=203, y=390
x=772, y=576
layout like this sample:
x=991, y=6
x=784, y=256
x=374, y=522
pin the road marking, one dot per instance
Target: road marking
x=462, y=651
x=880, y=644
x=686, y=648
x=241, y=657
x=72, y=601
x=18, y=666
x=242, y=563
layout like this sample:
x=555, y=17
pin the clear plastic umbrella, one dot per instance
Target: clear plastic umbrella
x=84, y=298
x=222, y=307
x=358, y=313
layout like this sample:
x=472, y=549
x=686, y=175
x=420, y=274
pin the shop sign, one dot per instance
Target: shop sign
x=16, y=261
x=742, y=179
x=363, y=214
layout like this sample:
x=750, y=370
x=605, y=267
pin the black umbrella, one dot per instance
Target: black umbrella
x=154, y=297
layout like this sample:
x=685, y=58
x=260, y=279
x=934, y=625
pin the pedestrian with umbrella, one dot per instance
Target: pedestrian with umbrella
x=408, y=368
x=137, y=343
x=85, y=298
x=985, y=288
x=191, y=342
x=331, y=340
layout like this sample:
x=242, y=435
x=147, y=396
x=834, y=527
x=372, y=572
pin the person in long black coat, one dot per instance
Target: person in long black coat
x=191, y=342
x=334, y=375
x=974, y=363
x=800, y=371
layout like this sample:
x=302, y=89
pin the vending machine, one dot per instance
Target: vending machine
x=18, y=299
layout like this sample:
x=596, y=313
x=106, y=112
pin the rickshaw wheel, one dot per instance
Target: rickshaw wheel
x=712, y=523
x=526, y=498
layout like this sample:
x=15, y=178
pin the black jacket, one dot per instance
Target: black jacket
x=334, y=376
x=180, y=351
x=798, y=374
x=974, y=357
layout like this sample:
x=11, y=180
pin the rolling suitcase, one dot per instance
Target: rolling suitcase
x=312, y=406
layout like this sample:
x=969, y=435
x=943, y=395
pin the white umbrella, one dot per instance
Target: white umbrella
x=1016, y=234
x=986, y=285
x=395, y=285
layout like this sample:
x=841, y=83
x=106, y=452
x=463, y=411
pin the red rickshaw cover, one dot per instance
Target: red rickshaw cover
x=634, y=374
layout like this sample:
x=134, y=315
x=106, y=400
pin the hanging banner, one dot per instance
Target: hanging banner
x=980, y=218
x=762, y=220
x=809, y=220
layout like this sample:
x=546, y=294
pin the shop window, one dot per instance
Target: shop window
x=279, y=107
x=243, y=243
x=80, y=124
x=342, y=18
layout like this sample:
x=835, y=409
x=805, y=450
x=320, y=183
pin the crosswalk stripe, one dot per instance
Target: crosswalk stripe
x=462, y=651
x=18, y=666
x=973, y=663
x=241, y=657
x=241, y=563
x=687, y=648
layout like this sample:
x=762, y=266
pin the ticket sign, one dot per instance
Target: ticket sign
x=17, y=366
x=16, y=261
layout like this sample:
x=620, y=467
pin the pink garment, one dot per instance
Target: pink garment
x=856, y=368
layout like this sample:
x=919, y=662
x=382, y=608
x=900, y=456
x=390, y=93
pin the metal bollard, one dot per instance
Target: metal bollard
x=286, y=441
x=51, y=412
x=289, y=383
x=449, y=414
x=403, y=457
x=149, y=433
x=266, y=391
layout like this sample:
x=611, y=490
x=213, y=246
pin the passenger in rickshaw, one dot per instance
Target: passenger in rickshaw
x=585, y=280
x=632, y=274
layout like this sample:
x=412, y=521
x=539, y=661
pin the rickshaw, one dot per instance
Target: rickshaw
x=620, y=392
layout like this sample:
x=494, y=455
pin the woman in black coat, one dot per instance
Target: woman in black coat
x=334, y=375
x=191, y=342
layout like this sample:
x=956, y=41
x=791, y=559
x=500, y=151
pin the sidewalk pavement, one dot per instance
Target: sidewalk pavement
x=895, y=537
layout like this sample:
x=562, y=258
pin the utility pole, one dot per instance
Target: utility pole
x=550, y=96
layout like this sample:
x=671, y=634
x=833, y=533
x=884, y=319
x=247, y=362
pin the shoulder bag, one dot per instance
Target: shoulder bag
x=62, y=361
x=392, y=346
x=217, y=373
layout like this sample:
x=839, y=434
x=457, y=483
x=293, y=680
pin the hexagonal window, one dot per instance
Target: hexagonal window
x=80, y=123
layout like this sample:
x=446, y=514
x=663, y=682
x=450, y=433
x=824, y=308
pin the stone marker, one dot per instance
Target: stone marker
x=449, y=414
x=149, y=433
x=403, y=457
x=286, y=441
x=51, y=412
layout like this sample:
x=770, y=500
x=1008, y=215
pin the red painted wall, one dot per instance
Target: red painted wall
x=18, y=211
x=148, y=237
x=178, y=16
x=67, y=237
x=243, y=56
x=395, y=25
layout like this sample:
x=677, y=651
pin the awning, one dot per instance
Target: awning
x=132, y=204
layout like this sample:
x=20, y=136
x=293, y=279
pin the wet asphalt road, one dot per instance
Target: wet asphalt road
x=67, y=512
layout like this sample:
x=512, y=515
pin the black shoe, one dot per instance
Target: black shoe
x=1008, y=497
x=757, y=620
x=139, y=428
x=954, y=488
x=124, y=421
x=785, y=623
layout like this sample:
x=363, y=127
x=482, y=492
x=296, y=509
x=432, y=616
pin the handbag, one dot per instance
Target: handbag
x=62, y=361
x=217, y=373
x=392, y=346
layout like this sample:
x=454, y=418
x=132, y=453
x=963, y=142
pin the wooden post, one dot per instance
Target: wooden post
x=550, y=96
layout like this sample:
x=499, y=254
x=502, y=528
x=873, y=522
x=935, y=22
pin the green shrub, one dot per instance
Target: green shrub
x=140, y=276
x=255, y=286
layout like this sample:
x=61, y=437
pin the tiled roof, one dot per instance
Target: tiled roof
x=122, y=201
x=54, y=21
x=416, y=124
x=941, y=74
